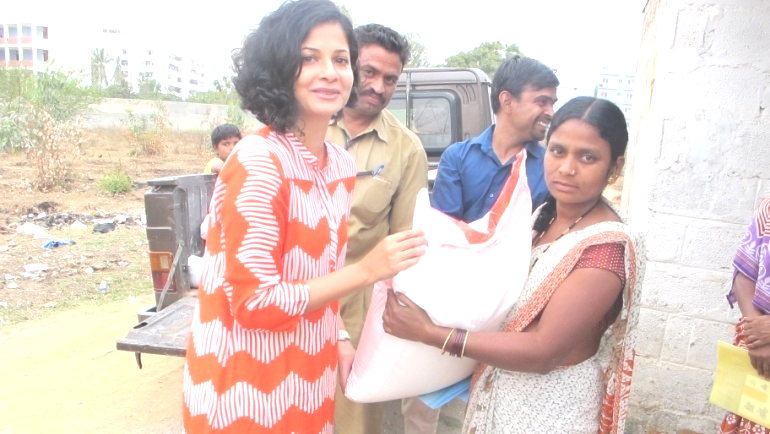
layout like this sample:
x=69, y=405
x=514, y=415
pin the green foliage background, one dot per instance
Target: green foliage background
x=57, y=92
x=487, y=56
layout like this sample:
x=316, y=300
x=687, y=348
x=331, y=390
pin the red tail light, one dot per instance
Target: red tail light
x=160, y=265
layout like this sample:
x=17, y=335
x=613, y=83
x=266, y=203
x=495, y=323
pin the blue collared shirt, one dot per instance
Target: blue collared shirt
x=470, y=177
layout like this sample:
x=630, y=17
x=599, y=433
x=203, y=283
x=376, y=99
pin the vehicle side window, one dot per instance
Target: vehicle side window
x=433, y=119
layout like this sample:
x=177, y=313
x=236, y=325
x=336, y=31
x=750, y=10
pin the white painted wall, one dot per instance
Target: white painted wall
x=699, y=164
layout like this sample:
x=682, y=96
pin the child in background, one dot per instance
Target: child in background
x=223, y=140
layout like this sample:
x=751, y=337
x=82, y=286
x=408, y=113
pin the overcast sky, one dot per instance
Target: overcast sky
x=575, y=37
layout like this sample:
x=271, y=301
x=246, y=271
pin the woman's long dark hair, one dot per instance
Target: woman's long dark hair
x=601, y=114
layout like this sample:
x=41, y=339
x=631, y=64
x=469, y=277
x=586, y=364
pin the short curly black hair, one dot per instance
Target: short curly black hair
x=385, y=37
x=269, y=63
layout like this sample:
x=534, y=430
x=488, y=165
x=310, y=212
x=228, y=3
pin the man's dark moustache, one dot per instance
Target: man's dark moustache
x=371, y=92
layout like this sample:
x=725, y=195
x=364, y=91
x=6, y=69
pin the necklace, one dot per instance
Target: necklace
x=537, y=239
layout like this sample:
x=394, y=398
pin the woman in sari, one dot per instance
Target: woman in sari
x=751, y=290
x=562, y=360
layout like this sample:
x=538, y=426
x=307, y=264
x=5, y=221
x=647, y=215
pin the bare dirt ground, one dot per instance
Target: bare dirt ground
x=83, y=201
x=59, y=369
x=62, y=374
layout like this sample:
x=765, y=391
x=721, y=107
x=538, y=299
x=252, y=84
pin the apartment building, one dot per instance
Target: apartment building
x=617, y=87
x=139, y=59
x=27, y=44
x=24, y=44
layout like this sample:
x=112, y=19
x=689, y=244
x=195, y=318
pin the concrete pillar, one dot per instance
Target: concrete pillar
x=699, y=162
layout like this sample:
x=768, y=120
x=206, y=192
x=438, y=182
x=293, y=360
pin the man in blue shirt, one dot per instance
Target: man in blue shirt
x=472, y=173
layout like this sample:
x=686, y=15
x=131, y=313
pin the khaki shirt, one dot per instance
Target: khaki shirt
x=383, y=204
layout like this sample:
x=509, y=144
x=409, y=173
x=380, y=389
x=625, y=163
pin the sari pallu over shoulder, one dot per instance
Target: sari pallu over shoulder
x=616, y=352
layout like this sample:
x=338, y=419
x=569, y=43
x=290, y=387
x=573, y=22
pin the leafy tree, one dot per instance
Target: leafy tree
x=94, y=74
x=168, y=96
x=149, y=88
x=223, y=93
x=99, y=62
x=57, y=92
x=226, y=88
x=120, y=90
x=39, y=114
x=487, y=56
x=60, y=94
x=208, y=97
x=117, y=74
x=419, y=52
x=120, y=87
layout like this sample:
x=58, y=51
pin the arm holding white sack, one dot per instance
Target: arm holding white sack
x=567, y=332
x=495, y=247
x=256, y=293
x=393, y=254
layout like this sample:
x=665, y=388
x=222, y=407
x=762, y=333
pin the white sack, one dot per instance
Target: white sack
x=205, y=227
x=469, y=278
x=195, y=270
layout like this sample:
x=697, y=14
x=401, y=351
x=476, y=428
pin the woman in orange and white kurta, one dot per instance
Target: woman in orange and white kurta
x=263, y=351
x=562, y=362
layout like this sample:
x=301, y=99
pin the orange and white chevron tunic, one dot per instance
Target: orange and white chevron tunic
x=257, y=360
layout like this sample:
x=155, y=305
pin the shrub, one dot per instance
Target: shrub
x=57, y=93
x=116, y=182
x=52, y=146
x=148, y=135
x=235, y=116
x=11, y=133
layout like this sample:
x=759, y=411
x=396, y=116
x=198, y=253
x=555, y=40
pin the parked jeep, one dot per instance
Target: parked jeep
x=441, y=105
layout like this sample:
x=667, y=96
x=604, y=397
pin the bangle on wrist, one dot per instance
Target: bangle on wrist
x=443, y=347
x=465, y=341
x=343, y=335
x=457, y=349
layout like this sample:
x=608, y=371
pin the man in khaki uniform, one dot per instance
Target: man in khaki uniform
x=392, y=167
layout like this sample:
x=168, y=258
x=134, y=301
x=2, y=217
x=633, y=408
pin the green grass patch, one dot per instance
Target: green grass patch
x=116, y=182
